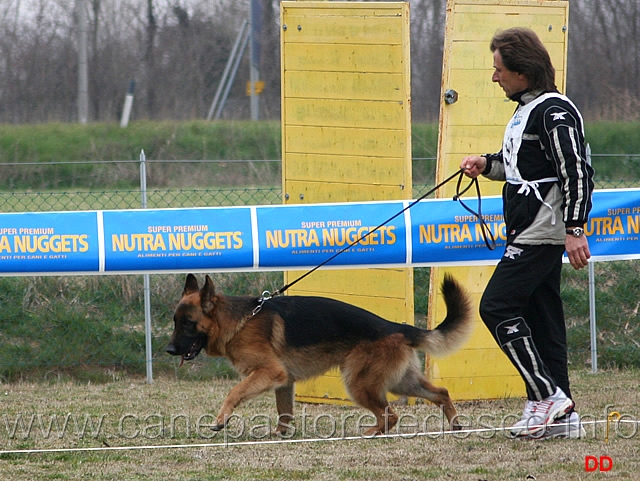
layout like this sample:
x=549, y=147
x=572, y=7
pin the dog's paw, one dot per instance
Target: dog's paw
x=283, y=430
x=280, y=433
x=455, y=424
x=218, y=426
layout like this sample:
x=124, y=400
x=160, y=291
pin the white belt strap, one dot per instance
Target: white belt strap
x=527, y=186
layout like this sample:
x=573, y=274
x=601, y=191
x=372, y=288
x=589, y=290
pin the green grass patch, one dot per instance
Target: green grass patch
x=91, y=329
x=103, y=143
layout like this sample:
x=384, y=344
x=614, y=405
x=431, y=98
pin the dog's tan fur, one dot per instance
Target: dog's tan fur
x=292, y=338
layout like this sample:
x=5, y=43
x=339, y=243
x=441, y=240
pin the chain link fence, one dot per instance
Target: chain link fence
x=92, y=327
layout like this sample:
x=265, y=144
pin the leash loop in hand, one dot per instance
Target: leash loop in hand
x=487, y=235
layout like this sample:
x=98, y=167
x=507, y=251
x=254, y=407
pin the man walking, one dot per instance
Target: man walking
x=546, y=202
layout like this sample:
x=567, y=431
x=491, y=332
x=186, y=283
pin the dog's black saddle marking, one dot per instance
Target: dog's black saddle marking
x=317, y=320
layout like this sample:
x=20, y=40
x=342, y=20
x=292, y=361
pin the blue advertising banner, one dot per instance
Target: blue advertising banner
x=431, y=232
x=614, y=225
x=49, y=242
x=444, y=232
x=307, y=235
x=174, y=240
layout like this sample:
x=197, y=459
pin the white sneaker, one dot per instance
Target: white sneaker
x=537, y=414
x=524, y=420
x=568, y=427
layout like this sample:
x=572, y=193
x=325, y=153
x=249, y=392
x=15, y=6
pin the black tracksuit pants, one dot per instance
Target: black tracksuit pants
x=522, y=308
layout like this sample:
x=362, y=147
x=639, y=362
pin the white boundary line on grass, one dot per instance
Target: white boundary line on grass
x=432, y=434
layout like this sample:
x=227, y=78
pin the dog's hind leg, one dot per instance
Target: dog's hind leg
x=377, y=403
x=413, y=383
x=368, y=371
x=258, y=381
x=284, y=403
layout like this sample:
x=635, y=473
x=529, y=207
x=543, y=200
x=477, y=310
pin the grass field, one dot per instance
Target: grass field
x=109, y=425
x=134, y=431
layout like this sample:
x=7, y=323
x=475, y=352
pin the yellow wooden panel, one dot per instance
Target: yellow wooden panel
x=333, y=29
x=465, y=139
x=344, y=85
x=348, y=10
x=475, y=125
x=336, y=168
x=343, y=58
x=317, y=22
x=549, y=19
x=472, y=26
x=327, y=389
x=472, y=56
x=487, y=187
x=345, y=113
x=472, y=283
x=472, y=363
x=320, y=192
x=468, y=55
x=481, y=118
x=381, y=291
x=324, y=389
x=330, y=390
x=542, y=13
x=474, y=84
x=501, y=6
x=346, y=125
x=390, y=282
x=482, y=387
x=346, y=141
x=480, y=339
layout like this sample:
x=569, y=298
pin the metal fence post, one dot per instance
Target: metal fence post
x=147, y=288
x=592, y=318
x=592, y=302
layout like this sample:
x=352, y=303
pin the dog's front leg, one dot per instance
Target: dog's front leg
x=257, y=382
x=284, y=403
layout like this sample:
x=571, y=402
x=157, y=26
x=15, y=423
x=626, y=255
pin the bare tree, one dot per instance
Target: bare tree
x=427, y=38
x=270, y=59
x=39, y=55
x=176, y=51
x=604, y=58
x=149, y=57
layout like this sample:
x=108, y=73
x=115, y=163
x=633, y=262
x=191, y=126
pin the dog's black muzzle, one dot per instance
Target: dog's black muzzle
x=187, y=348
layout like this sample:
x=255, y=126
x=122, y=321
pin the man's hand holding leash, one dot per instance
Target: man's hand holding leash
x=473, y=165
x=577, y=247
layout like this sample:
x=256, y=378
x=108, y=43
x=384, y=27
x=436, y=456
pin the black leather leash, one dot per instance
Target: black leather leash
x=487, y=235
x=486, y=232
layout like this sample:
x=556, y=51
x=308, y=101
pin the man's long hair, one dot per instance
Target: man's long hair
x=523, y=52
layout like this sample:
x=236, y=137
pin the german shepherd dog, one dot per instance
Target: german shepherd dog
x=291, y=338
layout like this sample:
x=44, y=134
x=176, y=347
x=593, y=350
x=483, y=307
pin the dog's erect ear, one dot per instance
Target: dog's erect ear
x=207, y=294
x=190, y=285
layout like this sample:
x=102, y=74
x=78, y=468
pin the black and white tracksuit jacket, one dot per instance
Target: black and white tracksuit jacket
x=548, y=188
x=543, y=160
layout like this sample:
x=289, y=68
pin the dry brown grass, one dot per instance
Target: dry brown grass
x=137, y=416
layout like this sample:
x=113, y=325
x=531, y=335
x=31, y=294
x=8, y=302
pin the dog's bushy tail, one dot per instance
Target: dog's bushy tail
x=456, y=328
